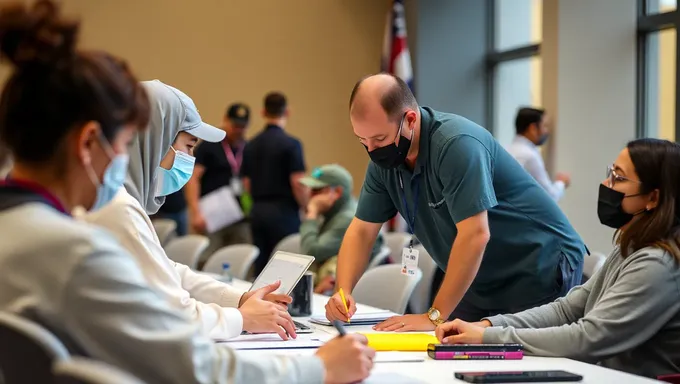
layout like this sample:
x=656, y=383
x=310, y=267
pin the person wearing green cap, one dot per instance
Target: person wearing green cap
x=329, y=212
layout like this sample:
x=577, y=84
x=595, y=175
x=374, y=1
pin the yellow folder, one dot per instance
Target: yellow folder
x=407, y=342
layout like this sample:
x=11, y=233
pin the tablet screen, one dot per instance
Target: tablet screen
x=284, y=266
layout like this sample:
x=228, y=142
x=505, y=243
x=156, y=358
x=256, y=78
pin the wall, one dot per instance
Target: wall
x=589, y=83
x=222, y=51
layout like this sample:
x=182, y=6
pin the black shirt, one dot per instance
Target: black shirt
x=218, y=172
x=174, y=203
x=268, y=161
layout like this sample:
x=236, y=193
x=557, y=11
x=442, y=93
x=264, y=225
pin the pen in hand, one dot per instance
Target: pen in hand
x=341, y=329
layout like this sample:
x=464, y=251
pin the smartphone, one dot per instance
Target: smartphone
x=475, y=351
x=517, y=377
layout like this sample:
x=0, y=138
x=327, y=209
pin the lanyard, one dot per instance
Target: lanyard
x=410, y=220
x=234, y=160
x=37, y=189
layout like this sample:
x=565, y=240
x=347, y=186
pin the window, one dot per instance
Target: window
x=513, y=62
x=516, y=84
x=657, y=69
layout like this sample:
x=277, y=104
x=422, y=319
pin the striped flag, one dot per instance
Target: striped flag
x=396, y=58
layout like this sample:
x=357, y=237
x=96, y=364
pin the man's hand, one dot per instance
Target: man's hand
x=406, y=323
x=197, y=222
x=347, y=359
x=321, y=203
x=564, y=177
x=335, y=309
x=260, y=316
x=276, y=298
x=460, y=332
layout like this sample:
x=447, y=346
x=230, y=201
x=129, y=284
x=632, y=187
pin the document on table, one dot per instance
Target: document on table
x=392, y=378
x=220, y=208
x=399, y=357
x=367, y=318
x=273, y=341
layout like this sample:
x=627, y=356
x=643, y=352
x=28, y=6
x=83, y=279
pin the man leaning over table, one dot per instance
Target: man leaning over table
x=503, y=242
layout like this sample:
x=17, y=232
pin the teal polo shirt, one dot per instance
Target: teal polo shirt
x=461, y=170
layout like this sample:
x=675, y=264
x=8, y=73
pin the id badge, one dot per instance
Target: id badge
x=409, y=261
x=236, y=186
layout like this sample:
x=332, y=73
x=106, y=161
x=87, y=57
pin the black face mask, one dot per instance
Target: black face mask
x=391, y=156
x=609, y=208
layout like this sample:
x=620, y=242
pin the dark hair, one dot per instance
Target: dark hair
x=394, y=101
x=527, y=116
x=55, y=87
x=657, y=164
x=275, y=104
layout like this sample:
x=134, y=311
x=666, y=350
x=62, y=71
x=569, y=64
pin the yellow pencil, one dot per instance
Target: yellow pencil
x=342, y=296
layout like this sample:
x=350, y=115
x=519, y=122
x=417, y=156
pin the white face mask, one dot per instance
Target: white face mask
x=114, y=176
x=173, y=179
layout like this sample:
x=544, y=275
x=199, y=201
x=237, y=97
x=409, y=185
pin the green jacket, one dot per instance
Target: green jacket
x=322, y=238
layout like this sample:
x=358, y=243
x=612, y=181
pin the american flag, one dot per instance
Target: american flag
x=396, y=58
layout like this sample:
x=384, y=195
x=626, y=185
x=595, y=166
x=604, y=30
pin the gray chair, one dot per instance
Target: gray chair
x=239, y=256
x=290, y=243
x=87, y=371
x=386, y=287
x=420, y=299
x=166, y=230
x=382, y=256
x=27, y=350
x=397, y=241
x=187, y=249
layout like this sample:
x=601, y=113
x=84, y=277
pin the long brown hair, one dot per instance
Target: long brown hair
x=657, y=164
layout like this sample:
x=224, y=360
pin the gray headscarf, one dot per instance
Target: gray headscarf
x=149, y=148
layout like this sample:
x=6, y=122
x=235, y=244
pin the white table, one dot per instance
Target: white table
x=440, y=371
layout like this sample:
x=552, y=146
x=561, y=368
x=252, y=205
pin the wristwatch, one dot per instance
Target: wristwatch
x=434, y=316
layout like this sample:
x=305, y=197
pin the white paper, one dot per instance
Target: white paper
x=398, y=357
x=392, y=378
x=273, y=341
x=220, y=209
x=358, y=318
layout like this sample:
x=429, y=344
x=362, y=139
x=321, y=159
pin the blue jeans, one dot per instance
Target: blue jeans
x=180, y=218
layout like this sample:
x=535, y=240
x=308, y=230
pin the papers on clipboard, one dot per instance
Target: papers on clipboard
x=220, y=208
x=273, y=341
x=368, y=318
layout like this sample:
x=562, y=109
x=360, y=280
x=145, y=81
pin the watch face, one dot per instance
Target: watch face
x=434, y=314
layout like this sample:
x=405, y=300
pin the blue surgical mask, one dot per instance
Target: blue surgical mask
x=114, y=176
x=172, y=180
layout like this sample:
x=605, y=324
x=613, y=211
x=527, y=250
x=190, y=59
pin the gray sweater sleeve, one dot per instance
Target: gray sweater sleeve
x=112, y=314
x=627, y=314
x=564, y=310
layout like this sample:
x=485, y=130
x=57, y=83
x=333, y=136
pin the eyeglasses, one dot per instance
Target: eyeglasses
x=613, y=177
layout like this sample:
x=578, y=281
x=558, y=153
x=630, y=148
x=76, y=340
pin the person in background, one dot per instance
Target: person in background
x=218, y=165
x=175, y=209
x=67, y=116
x=273, y=163
x=161, y=162
x=532, y=132
x=627, y=316
x=503, y=243
x=329, y=212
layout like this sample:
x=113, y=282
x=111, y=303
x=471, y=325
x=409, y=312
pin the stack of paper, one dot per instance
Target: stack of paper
x=358, y=318
x=273, y=341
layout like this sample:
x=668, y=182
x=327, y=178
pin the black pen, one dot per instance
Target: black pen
x=341, y=329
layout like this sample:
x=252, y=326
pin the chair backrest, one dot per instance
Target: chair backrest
x=379, y=259
x=239, y=256
x=166, y=230
x=420, y=299
x=386, y=287
x=27, y=350
x=592, y=263
x=86, y=371
x=396, y=241
x=290, y=243
x=187, y=249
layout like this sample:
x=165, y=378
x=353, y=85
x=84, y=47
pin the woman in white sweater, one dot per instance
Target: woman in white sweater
x=626, y=316
x=161, y=163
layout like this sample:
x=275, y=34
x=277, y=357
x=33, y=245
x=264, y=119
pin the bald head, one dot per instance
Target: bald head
x=383, y=92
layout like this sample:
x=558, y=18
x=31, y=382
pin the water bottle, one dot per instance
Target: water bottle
x=226, y=276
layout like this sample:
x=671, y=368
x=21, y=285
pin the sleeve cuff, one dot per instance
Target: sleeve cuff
x=496, y=321
x=234, y=321
x=311, y=369
x=230, y=297
x=493, y=335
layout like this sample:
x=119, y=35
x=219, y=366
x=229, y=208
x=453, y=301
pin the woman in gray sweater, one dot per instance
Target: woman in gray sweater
x=627, y=316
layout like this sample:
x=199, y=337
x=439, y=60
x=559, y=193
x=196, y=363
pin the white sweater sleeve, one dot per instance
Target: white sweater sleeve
x=207, y=289
x=131, y=226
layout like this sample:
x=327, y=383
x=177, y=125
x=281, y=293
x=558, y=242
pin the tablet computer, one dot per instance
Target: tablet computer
x=285, y=266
